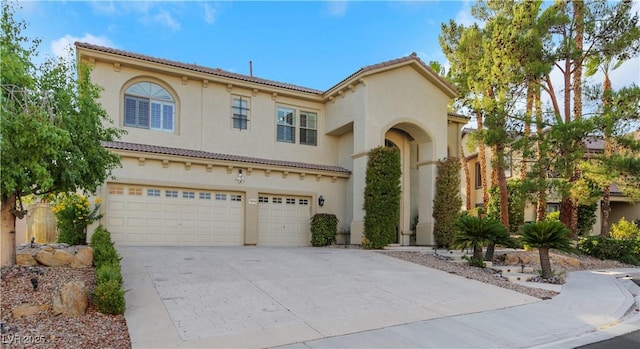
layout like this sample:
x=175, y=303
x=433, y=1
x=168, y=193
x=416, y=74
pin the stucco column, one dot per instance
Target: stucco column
x=251, y=217
x=424, y=230
x=358, y=177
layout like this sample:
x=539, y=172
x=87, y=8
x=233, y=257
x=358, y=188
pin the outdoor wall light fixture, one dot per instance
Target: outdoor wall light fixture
x=240, y=177
x=320, y=201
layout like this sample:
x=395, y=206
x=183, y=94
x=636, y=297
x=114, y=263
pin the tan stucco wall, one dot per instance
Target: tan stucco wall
x=203, y=117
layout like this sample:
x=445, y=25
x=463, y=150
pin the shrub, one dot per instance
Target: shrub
x=73, y=214
x=447, y=201
x=100, y=236
x=625, y=230
x=586, y=218
x=103, y=250
x=382, y=196
x=107, y=272
x=518, y=196
x=625, y=251
x=324, y=227
x=109, y=297
x=553, y=216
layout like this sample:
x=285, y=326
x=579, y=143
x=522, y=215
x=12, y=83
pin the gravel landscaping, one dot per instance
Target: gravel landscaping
x=43, y=329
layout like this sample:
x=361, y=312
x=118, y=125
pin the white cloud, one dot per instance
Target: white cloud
x=337, y=8
x=63, y=47
x=103, y=7
x=210, y=13
x=464, y=16
x=164, y=18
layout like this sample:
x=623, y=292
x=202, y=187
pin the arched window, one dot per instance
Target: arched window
x=149, y=105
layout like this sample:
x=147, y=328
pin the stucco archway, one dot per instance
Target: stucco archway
x=416, y=154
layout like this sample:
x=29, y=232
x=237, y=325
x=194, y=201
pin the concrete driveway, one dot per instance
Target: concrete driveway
x=263, y=297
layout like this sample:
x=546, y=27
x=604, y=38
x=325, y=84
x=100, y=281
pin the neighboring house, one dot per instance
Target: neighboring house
x=621, y=206
x=216, y=158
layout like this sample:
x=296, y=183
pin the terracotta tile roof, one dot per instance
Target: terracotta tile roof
x=197, y=68
x=411, y=57
x=216, y=156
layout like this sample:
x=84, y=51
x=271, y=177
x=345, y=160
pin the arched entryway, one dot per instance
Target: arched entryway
x=415, y=148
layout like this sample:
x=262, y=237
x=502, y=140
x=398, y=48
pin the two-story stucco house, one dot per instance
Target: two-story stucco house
x=217, y=158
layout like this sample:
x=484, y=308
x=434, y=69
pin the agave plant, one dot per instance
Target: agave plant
x=475, y=232
x=546, y=235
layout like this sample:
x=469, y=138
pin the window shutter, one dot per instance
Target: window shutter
x=129, y=111
x=167, y=117
x=143, y=116
x=156, y=110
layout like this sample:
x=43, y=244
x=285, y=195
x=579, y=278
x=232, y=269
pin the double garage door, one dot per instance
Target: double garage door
x=157, y=216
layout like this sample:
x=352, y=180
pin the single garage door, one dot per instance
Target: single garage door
x=164, y=216
x=283, y=221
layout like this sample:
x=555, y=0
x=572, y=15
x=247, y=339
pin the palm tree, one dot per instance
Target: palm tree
x=475, y=232
x=546, y=235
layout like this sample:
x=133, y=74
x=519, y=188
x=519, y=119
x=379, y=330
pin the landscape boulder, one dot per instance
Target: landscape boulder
x=26, y=258
x=27, y=309
x=83, y=258
x=71, y=299
x=57, y=258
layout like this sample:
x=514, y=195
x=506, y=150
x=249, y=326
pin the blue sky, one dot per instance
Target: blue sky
x=314, y=44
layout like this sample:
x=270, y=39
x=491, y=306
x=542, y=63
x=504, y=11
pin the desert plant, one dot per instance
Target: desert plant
x=475, y=232
x=382, y=196
x=546, y=235
x=324, y=227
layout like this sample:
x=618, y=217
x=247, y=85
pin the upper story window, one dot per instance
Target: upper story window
x=286, y=125
x=308, y=129
x=240, y=112
x=148, y=105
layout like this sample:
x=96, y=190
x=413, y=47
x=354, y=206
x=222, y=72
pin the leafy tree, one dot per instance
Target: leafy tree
x=546, y=235
x=51, y=128
x=382, y=196
x=447, y=201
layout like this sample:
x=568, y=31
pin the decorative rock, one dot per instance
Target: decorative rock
x=83, y=259
x=26, y=259
x=71, y=300
x=56, y=259
x=27, y=309
x=48, y=248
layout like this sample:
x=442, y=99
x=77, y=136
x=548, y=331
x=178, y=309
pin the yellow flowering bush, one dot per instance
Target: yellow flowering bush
x=73, y=214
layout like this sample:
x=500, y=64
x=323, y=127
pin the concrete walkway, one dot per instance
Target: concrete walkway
x=254, y=297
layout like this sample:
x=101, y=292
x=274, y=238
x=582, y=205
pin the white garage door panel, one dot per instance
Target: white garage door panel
x=139, y=215
x=283, y=221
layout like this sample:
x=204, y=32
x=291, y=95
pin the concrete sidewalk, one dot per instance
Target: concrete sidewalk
x=252, y=297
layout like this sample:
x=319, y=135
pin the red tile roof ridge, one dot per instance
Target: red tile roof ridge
x=198, y=68
x=147, y=148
